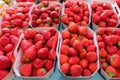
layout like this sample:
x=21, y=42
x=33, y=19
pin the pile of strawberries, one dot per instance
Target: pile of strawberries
x=103, y=15
x=39, y=52
x=45, y=14
x=77, y=51
x=8, y=41
x=76, y=12
x=109, y=48
x=17, y=17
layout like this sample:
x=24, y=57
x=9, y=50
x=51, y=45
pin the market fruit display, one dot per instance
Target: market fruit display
x=38, y=52
x=46, y=14
x=17, y=17
x=25, y=0
x=77, y=50
x=77, y=12
x=103, y=14
x=109, y=48
x=8, y=42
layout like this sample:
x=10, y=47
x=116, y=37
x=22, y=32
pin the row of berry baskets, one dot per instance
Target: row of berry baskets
x=32, y=52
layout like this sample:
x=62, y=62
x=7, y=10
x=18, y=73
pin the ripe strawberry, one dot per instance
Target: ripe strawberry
x=66, y=41
x=86, y=72
x=10, y=55
x=3, y=73
x=49, y=65
x=41, y=72
x=100, y=31
x=90, y=35
x=8, y=47
x=66, y=34
x=52, y=54
x=1, y=53
x=114, y=60
x=76, y=9
x=73, y=27
x=38, y=37
x=91, y=48
x=68, y=4
x=29, y=33
x=83, y=53
x=72, y=52
x=63, y=59
x=26, y=69
x=117, y=32
x=111, y=71
x=85, y=42
x=103, y=52
x=64, y=49
x=42, y=53
x=5, y=30
x=84, y=63
x=46, y=35
x=25, y=44
x=77, y=18
x=4, y=40
x=83, y=31
x=111, y=49
x=65, y=19
x=90, y=58
x=50, y=42
x=95, y=18
x=74, y=60
x=38, y=45
x=65, y=68
x=112, y=22
x=13, y=39
x=92, y=67
x=104, y=65
x=44, y=15
x=76, y=70
x=101, y=44
x=102, y=24
x=38, y=63
x=78, y=45
x=4, y=62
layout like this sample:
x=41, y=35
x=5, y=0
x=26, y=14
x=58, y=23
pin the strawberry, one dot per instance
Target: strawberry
x=42, y=53
x=86, y=72
x=117, y=32
x=74, y=60
x=111, y=71
x=91, y=48
x=29, y=33
x=4, y=62
x=101, y=44
x=76, y=9
x=92, y=67
x=26, y=69
x=102, y=24
x=100, y=31
x=52, y=54
x=66, y=34
x=3, y=73
x=104, y=65
x=64, y=49
x=50, y=42
x=4, y=40
x=38, y=45
x=5, y=30
x=78, y=45
x=72, y=52
x=112, y=22
x=10, y=55
x=54, y=14
x=99, y=38
x=1, y=53
x=102, y=60
x=73, y=27
x=89, y=57
x=44, y=15
x=95, y=18
x=83, y=31
x=46, y=35
x=76, y=70
x=66, y=41
x=63, y=59
x=84, y=63
x=77, y=18
x=111, y=49
x=30, y=53
x=25, y=44
x=52, y=31
x=38, y=63
x=13, y=39
x=68, y=4
x=83, y=53
x=8, y=47
x=114, y=60
x=103, y=52
x=65, y=19
x=41, y=72
x=38, y=37
x=49, y=65
x=85, y=42
x=65, y=68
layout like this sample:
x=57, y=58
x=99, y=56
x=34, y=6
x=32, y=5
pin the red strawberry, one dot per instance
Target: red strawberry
x=44, y=15
x=102, y=24
x=68, y=4
x=5, y=30
x=83, y=53
x=65, y=19
x=25, y=44
x=4, y=62
x=13, y=39
x=90, y=58
x=29, y=33
x=76, y=70
x=103, y=52
x=73, y=27
x=3, y=73
x=30, y=53
x=64, y=49
x=117, y=32
x=111, y=49
x=86, y=72
x=38, y=45
x=52, y=31
x=99, y=38
x=52, y=54
x=104, y=65
x=95, y=18
x=85, y=42
x=26, y=69
x=101, y=44
x=78, y=45
x=49, y=65
x=100, y=31
x=63, y=59
x=41, y=72
x=74, y=60
x=38, y=63
x=111, y=71
x=66, y=41
x=91, y=48
x=1, y=53
x=38, y=37
x=65, y=68
x=4, y=40
x=54, y=14
x=93, y=67
x=10, y=55
x=66, y=34
x=46, y=35
x=50, y=42
x=77, y=18
x=8, y=47
x=42, y=53
x=72, y=52
x=90, y=35
x=114, y=60
x=112, y=22
x=84, y=63
x=83, y=31
x=76, y=9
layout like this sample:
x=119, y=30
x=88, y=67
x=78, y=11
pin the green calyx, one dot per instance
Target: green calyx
x=111, y=59
x=111, y=74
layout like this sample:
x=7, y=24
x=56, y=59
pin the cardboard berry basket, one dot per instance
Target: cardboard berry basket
x=102, y=71
x=18, y=62
x=45, y=22
x=63, y=10
x=94, y=26
x=97, y=61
